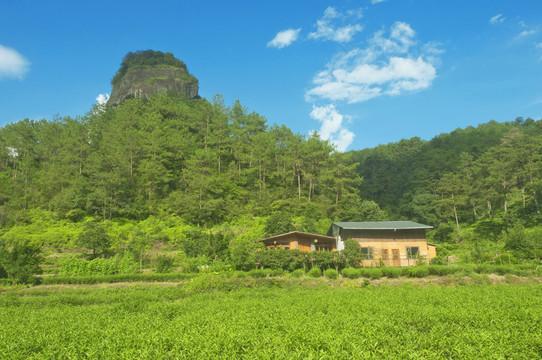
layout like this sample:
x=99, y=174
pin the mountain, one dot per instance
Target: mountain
x=145, y=73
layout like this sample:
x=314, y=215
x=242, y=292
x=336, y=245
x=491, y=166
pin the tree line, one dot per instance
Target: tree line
x=202, y=161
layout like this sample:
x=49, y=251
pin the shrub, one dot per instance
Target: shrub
x=127, y=264
x=351, y=273
x=97, y=279
x=239, y=274
x=331, y=274
x=442, y=270
x=163, y=264
x=259, y=273
x=373, y=273
x=102, y=266
x=21, y=263
x=439, y=260
x=418, y=271
x=298, y=273
x=315, y=272
x=277, y=272
x=391, y=272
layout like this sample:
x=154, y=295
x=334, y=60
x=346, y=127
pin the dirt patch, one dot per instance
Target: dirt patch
x=103, y=285
x=494, y=278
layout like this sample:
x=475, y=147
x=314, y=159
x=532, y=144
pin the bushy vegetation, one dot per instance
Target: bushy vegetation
x=74, y=266
x=146, y=58
x=314, y=272
x=331, y=274
x=20, y=262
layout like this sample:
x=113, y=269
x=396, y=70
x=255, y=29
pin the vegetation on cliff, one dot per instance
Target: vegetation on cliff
x=146, y=59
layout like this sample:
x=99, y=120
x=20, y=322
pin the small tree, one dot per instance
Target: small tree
x=352, y=253
x=21, y=263
x=95, y=238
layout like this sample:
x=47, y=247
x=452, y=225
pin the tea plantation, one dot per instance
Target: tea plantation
x=264, y=319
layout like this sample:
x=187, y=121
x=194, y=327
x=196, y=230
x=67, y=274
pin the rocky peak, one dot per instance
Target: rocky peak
x=147, y=72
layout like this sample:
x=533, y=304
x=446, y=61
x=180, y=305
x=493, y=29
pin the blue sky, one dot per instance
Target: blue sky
x=362, y=73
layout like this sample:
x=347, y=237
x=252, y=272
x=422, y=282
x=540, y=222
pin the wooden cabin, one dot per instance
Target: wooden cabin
x=386, y=243
x=300, y=241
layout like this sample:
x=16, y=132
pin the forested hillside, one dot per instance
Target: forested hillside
x=472, y=184
x=192, y=162
x=186, y=172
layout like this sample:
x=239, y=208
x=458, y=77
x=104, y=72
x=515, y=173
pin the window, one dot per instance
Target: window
x=367, y=253
x=412, y=252
x=323, y=247
x=278, y=245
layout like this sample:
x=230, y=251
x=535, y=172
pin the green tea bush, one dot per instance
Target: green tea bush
x=259, y=273
x=99, y=279
x=418, y=271
x=74, y=266
x=391, y=272
x=278, y=272
x=239, y=274
x=351, y=273
x=315, y=272
x=157, y=322
x=220, y=266
x=370, y=272
x=297, y=273
x=102, y=266
x=331, y=274
x=208, y=283
x=442, y=270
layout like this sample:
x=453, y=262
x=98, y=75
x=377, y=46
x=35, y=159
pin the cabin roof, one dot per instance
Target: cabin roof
x=299, y=233
x=377, y=225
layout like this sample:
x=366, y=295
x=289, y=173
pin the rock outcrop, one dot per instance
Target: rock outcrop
x=142, y=82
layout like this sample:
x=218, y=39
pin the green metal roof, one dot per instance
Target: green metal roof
x=378, y=225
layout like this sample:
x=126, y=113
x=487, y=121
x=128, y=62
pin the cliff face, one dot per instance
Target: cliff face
x=143, y=82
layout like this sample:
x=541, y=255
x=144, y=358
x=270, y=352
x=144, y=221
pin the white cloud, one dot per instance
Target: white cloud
x=400, y=40
x=284, y=38
x=12, y=64
x=102, y=99
x=497, y=19
x=433, y=47
x=326, y=30
x=377, y=1
x=526, y=33
x=389, y=66
x=332, y=128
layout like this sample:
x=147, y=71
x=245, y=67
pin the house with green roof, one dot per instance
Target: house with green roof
x=386, y=243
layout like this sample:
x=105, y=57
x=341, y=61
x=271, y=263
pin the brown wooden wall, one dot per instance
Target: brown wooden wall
x=297, y=241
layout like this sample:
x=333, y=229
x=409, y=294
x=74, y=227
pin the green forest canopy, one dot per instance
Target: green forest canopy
x=168, y=165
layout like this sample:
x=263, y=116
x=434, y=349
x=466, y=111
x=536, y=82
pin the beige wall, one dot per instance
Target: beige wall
x=392, y=243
